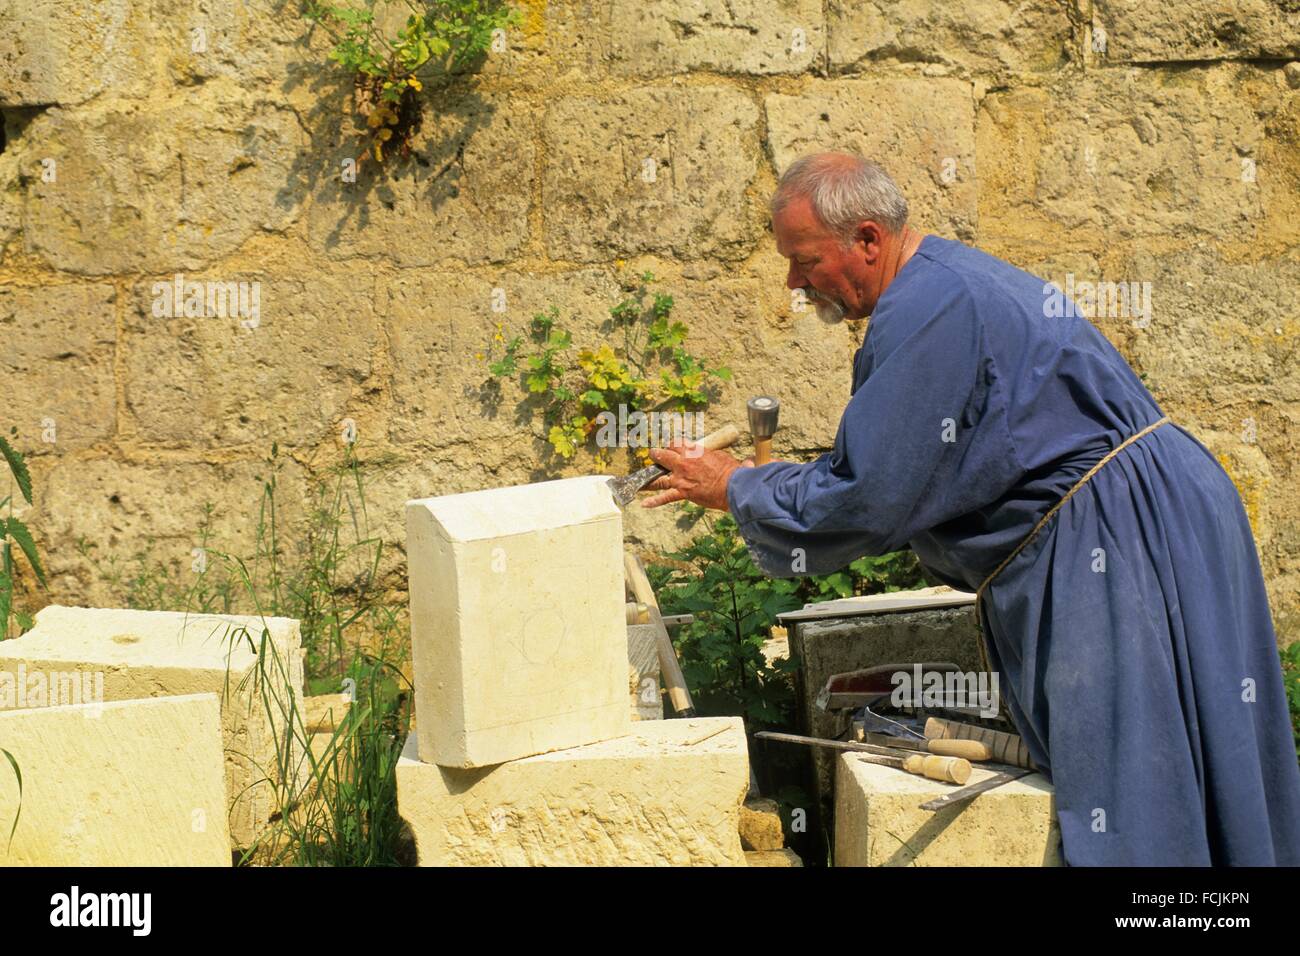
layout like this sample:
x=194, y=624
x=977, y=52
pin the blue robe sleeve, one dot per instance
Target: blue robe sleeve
x=924, y=440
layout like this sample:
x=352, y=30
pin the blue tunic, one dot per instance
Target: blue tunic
x=1135, y=649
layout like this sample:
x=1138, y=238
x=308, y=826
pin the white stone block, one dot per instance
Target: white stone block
x=669, y=794
x=518, y=624
x=130, y=783
x=878, y=820
x=113, y=654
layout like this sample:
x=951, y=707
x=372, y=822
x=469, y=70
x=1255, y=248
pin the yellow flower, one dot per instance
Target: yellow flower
x=414, y=84
x=479, y=356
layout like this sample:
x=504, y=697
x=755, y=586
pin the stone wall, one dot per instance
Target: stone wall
x=1115, y=140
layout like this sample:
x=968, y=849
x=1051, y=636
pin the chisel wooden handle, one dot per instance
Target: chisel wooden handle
x=944, y=769
x=669, y=669
x=724, y=437
x=1005, y=748
x=967, y=749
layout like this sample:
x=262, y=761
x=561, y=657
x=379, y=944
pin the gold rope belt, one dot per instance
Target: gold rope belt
x=979, y=592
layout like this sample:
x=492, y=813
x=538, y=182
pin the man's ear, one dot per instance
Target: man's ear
x=870, y=236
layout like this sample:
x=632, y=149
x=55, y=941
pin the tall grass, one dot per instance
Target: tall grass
x=334, y=792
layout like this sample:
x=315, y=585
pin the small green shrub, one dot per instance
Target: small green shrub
x=1291, y=676
x=648, y=370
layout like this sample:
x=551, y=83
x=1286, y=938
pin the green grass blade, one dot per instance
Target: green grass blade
x=18, y=466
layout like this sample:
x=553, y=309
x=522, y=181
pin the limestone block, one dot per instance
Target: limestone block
x=518, y=627
x=920, y=130
x=722, y=36
x=115, y=655
x=57, y=364
x=1143, y=31
x=125, y=198
x=130, y=783
x=1142, y=156
x=440, y=398
x=464, y=201
x=838, y=645
x=119, y=506
x=760, y=825
x=966, y=38
x=643, y=676
x=652, y=170
x=878, y=821
x=668, y=794
x=233, y=379
x=772, y=858
x=60, y=51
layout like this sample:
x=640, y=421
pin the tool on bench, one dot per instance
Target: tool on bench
x=967, y=749
x=944, y=769
x=1003, y=747
x=975, y=789
x=625, y=488
x=869, y=686
x=763, y=412
x=669, y=669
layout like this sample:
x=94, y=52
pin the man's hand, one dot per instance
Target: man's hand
x=697, y=475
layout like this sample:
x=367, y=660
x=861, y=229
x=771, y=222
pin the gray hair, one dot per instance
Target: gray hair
x=845, y=189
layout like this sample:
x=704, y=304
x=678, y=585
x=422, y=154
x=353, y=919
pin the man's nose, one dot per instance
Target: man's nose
x=793, y=278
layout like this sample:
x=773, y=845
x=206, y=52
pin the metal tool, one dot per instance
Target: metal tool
x=975, y=789
x=625, y=488
x=763, y=412
x=944, y=769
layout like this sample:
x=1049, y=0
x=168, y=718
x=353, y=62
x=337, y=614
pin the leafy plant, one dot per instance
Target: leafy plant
x=14, y=532
x=1291, y=678
x=437, y=37
x=650, y=370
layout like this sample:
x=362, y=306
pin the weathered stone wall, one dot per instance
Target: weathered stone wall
x=1113, y=140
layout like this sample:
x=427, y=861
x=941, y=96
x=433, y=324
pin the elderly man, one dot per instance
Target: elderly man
x=1018, y=455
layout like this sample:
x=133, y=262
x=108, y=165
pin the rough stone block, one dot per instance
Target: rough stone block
x=669, y=794
x=922, y=131
x=643, y=672
x=1196, y=155
x=518, y=623
x=116, y=655
x=1146, y=31
x=464, y=201
x=966, y=38
x=760, y=825
x=662, y=170
x=119, y=506
x=834, y=645
x=235, y=378
x=878, y=820
x=772, y=858
x=125, y=199
x=57, y=364
x=722, y=36
x=59, y=51
x=130, y=783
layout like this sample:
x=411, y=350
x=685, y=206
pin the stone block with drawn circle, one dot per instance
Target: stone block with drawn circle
x=517, y=621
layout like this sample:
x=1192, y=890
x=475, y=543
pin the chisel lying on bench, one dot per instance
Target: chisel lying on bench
x=944, y=769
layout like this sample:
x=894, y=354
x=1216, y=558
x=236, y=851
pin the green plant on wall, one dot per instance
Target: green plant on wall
x=14, y=532
x=580, y=391
x=437, y=37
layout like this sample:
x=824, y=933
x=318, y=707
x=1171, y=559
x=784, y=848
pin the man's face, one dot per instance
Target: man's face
x=833, y=277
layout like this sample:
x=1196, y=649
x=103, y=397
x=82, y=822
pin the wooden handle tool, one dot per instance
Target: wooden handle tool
x=1003, y=747
x=669, y=670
